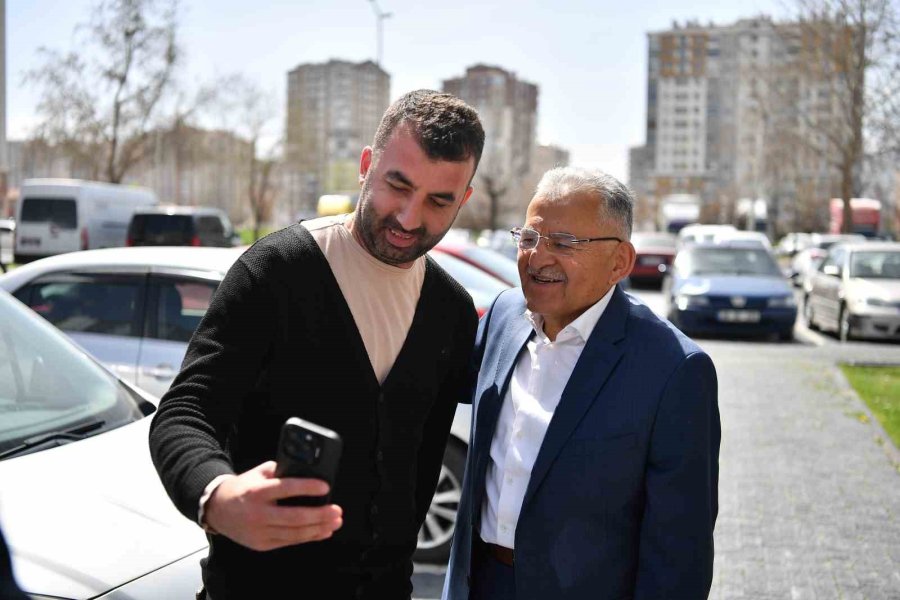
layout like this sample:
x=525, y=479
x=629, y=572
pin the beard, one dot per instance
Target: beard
x=373, y=231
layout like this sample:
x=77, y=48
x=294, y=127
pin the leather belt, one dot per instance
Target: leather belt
x=500, y=553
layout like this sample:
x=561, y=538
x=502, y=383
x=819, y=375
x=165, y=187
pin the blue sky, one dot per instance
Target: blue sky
x=589, y=58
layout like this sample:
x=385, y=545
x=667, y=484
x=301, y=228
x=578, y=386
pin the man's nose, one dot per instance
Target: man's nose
x=541, y=255
x=410, y=215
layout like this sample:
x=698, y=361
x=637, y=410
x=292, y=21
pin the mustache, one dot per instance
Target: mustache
x=392, y=223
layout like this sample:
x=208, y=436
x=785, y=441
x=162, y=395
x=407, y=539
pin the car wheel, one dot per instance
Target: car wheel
x=436, y=533
x=845, y=329
x=808, y=314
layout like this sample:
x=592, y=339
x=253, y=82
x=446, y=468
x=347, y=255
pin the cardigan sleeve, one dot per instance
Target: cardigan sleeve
x=222, y=364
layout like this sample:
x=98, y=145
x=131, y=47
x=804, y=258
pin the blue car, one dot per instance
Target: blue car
x=730, y=289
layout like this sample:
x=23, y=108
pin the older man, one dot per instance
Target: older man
x=593, y=465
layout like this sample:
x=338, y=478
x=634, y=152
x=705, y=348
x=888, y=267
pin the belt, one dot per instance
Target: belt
x=500, y=553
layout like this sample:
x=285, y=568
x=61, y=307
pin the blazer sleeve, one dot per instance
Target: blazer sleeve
x=221, y=366
x=681, y=482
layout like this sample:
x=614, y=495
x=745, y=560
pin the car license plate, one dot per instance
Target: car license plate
x=739, y=316
x=651, y=261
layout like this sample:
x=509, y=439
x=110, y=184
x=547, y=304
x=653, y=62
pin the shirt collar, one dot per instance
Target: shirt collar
x=579, y=328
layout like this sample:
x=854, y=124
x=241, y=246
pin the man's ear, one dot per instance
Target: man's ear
x=365, y=163
x=624, y=259
x=467, y=196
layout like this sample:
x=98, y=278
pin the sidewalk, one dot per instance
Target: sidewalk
x=809, y=500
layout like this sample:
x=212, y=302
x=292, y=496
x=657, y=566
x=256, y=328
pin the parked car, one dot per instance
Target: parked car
x=82, y=508
x=66, y=215
x=655, y=253
x=490, y=261
x=731, y=290
x=856, y=291
x=135, y=310
x=745, y=238
x=808, y=260
x=181, y=226
x=700, y=233
x=7, y=239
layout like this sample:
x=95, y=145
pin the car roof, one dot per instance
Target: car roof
x=138, y=257
x=870, y=246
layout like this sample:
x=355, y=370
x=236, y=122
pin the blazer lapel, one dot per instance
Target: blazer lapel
x=598, y=359
x=515, y=336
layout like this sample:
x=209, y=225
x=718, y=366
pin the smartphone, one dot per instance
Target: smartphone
x=310, y=451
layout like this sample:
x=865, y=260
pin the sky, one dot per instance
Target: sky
x=589, y=58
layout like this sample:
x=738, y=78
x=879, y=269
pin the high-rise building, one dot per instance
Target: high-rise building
x=333, y=110
x=508, y=110
x=730, y=110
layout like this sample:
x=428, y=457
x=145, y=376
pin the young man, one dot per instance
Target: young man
x=593, y=461
x=344, y=323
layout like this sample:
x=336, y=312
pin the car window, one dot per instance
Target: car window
x=47, y=384
x=210, y=226
x=59, y=211
x=161, y=229
x=875, y=265
x=88, y=304
x=835, y=258
x=180, y=306
x=727, y=261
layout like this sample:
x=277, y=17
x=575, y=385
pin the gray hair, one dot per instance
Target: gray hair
x=618, y=200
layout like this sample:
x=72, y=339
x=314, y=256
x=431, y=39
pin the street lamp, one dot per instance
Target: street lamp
x=380, y=16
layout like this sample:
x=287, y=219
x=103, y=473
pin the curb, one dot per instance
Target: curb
x=892, y=452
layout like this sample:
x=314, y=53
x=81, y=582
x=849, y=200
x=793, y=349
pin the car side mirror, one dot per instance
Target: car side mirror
x=832, y=270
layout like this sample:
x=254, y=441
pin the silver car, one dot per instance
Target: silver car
x=81, y=506
x=856, y=291
x=135, y=310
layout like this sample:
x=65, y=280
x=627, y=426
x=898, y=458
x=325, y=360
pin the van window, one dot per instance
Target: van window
x=59, y=211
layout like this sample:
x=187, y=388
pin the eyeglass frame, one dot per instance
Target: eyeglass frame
x=516, y=233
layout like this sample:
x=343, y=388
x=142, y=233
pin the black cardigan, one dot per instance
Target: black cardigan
x=278, y=341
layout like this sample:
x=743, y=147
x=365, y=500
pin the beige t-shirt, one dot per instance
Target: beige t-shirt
x=382, y=298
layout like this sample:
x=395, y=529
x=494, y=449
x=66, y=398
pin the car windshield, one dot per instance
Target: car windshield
x=493, y=261
x=875, y=264
x=48, y=386
x=482, y=287
x=653, y=241
x=727, y=261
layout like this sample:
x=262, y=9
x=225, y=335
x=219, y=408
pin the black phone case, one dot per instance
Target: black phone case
x=325, y=467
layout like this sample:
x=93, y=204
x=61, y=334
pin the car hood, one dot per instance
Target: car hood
x=887, y=289
x=733, y=285
x=87, y=517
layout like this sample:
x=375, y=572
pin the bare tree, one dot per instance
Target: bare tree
x=250, y=112
x=850, y=51
x=101, y=100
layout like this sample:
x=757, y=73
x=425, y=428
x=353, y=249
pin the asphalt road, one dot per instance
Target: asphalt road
x=809, y=482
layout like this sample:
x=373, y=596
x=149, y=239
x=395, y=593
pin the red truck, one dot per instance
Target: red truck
x=866, y=216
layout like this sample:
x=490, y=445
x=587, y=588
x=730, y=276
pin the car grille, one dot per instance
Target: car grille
x=728, y=302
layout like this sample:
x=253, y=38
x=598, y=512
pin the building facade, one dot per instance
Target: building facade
x=508, y=110
x=333, y=111
x=732, y=113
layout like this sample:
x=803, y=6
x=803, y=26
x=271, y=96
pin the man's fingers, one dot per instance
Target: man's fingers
x=302, y=516
x=288, y=536
x=267, y=469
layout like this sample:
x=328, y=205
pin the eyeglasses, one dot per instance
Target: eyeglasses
x=560, y=243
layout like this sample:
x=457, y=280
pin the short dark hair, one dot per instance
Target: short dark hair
x=446, y=127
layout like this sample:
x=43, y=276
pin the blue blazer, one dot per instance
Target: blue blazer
x=622, y=499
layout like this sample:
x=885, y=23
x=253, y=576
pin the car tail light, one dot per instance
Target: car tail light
x=85, y=241
x=195, y=241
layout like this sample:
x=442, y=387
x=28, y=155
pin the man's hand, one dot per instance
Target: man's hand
x=244, y=509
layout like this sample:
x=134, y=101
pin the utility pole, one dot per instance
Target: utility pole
x=379, y=25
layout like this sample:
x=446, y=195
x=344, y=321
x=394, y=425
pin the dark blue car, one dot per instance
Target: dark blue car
x=730, y=289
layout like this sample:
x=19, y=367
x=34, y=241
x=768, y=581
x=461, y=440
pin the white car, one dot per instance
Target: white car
x=7, y=231
x=700, y=233
x=745, y=238
x=81, y=506
x=856, y=291
x=135, y=309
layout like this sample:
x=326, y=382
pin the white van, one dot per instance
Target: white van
x=63, y=215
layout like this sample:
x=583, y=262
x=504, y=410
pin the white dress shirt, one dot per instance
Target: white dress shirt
x=537, y=383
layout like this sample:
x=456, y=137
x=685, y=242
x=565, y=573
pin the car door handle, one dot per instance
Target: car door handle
x=162, y=371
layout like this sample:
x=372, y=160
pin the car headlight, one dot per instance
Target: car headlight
x=685, y=301
x=782, y=302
